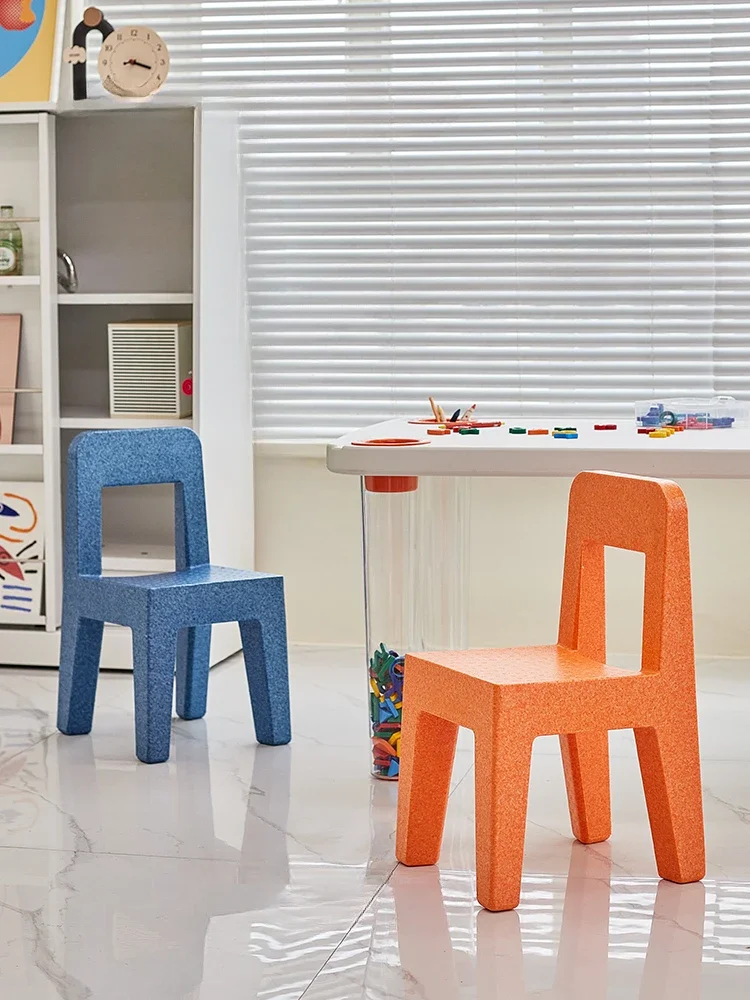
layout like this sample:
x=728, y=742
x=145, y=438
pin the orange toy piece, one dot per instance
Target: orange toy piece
x=537, y=430
x=511, y=696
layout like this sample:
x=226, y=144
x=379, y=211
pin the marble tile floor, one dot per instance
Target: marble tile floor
x=237, y=871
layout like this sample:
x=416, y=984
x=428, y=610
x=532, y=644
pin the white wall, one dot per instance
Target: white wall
x=308, y=528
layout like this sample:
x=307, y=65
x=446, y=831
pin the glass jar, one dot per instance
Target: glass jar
x=11, y=243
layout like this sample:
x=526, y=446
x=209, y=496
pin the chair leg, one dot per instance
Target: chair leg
x=193, y=658
x=154, y=652
x=671, y=773
x=428, y=746
x=266, y=665
x=503, y=766
x=80, y=653
x=586, y=765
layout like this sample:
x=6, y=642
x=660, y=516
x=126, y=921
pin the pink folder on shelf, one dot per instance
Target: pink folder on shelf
x=10, y=343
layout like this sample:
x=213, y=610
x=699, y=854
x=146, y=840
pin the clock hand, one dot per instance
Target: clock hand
x=134, y=62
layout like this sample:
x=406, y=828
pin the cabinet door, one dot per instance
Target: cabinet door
x=221, y=350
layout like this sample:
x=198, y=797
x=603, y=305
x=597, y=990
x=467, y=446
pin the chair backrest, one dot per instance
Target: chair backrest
x=644, y=515
x=134, y=458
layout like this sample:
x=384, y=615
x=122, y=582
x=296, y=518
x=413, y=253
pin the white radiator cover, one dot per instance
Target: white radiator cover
x=148, y=364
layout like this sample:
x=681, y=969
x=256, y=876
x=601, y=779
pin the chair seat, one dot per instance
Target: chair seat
x=201, y=595
x=197, y=576
x=524, y=665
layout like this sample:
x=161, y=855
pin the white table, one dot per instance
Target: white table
x=713, y=454
x=416, y=529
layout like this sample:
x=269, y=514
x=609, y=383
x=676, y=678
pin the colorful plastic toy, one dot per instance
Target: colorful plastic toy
x=516, y=430
x=692, y=414
x=511, y=696
x=605, y=427
x=662, y=432
x=538, y=430
x=386, y=703
x=170, y=613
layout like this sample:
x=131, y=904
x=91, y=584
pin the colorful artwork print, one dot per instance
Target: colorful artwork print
x=386, y=703
x=20, y=21
x=21, y=551
x=27, y=47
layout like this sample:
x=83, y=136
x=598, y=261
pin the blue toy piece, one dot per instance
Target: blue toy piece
x=170, y=613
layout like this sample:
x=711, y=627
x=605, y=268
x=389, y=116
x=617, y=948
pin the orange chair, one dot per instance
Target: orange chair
x=511, y=696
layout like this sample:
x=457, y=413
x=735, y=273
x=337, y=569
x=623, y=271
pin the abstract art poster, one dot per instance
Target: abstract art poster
x=21, y=552
x=30, y=45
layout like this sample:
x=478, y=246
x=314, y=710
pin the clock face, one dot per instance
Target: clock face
x=133, y=62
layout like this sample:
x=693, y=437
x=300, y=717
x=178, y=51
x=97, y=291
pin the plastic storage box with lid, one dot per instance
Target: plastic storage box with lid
x=692, y=413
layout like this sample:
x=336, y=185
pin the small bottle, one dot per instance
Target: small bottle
x=11, y=243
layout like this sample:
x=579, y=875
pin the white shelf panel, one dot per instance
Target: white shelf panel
x=29, y=621
x=83, y=418
x=124, y=298
x=126, y=558
x=19, y=279
x=21, y=449
x=24, y=647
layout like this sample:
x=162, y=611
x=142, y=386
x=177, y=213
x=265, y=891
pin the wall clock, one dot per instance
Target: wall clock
x=133, y=61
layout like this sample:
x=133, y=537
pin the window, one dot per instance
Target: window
x=543, y=208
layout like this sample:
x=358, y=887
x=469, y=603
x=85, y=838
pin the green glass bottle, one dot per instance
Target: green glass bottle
x=11, y=243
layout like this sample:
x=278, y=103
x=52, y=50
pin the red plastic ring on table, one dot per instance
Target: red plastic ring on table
x=391, y=442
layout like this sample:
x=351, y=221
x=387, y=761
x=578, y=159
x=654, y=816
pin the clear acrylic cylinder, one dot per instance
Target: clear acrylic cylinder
x=415, y=556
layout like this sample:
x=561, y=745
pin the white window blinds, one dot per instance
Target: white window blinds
x=540, y=207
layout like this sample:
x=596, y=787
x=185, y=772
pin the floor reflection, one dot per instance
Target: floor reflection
x=576, y=952
x=149, y=927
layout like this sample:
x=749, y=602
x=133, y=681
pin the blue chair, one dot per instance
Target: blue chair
x=170, y=614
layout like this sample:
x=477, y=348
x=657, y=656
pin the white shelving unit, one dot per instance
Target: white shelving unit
x=20, y=279
x=125, y=299
x=146, y=201
x=90, y=419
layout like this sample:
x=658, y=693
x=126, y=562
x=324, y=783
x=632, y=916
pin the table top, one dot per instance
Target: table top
x=710, y=454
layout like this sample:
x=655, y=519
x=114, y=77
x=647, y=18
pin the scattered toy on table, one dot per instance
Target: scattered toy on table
x=692, y=415
x=538, y=430
x=662, y=432
x=565, y=432
x=456, y=419
x=386, y=703
x=438, y=430
x=643, y=430
x=468, y=430
x=605, y=427
x=516, y=430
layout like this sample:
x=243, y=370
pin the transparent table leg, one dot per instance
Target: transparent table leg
x=415, y=541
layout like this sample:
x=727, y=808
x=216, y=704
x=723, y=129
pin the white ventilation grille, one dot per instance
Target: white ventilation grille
x=147, y=365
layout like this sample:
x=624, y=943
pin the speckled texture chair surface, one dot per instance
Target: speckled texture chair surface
x=170, y=614
x=511, y=696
